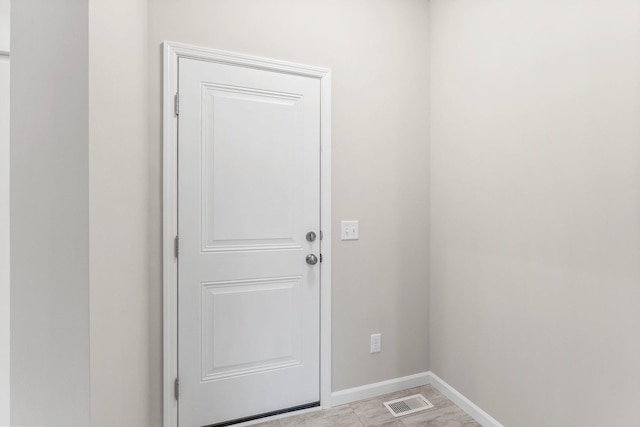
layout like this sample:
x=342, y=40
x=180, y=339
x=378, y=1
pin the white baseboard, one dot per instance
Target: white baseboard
x=465, y=404
x=377, y=389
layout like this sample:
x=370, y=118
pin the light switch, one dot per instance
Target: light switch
x=349, y=230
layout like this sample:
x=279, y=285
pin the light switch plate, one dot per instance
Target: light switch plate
x=349, y=230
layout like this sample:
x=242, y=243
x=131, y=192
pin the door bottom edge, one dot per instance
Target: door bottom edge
x=265, y=415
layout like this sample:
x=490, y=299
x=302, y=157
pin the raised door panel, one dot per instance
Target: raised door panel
x=251, y=139
x=250, y=326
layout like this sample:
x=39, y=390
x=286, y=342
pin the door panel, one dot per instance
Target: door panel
x=271, y=303
x=261, y=210
x=248, y=192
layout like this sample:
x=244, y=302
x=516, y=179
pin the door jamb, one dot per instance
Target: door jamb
x=172, y=52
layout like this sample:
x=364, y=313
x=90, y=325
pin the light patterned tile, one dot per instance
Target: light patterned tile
x=373, y=413
x=448, y=416
x=272, y=423
x=340, y=416
x=438, y=399
x=396, y=423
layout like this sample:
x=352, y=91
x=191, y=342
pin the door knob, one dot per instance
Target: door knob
x=311, y=236
x=312, y=259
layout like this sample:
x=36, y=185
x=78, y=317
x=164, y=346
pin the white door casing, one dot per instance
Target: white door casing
x=4, y=241
x=237, y=279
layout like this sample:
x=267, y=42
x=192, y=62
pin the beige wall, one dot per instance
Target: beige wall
x=378, y=55
x=49, y=210
x=4, y=214
x=118, y=203
x=536, y=208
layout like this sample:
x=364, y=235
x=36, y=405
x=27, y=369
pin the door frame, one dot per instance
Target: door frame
x=5, y=261
x=172, y=52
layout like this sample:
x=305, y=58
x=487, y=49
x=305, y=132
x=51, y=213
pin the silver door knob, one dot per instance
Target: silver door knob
x=312, y=259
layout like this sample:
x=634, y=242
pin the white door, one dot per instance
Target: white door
x=248, y=194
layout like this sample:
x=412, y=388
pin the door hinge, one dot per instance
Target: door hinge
x=176, y=388
x=176, y=102
x=176, y=246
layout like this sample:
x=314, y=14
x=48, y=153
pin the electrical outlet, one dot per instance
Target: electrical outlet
x=376, y=343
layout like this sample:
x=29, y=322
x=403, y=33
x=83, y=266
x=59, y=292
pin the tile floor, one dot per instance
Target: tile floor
x=372, y=412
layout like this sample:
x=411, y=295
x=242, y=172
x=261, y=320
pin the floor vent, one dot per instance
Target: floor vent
x=408, y=405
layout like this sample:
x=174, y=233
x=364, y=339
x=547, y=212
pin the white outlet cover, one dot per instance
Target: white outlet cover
x=376, y=343
x=349, y=230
